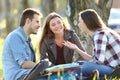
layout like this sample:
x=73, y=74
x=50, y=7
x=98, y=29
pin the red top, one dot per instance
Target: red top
x=60, y=56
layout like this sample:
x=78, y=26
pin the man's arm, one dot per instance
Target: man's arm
x=28, y=64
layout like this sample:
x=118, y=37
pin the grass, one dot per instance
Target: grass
x=1, y=45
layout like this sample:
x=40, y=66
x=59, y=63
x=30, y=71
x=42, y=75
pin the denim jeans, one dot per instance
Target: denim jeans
x=89, y=67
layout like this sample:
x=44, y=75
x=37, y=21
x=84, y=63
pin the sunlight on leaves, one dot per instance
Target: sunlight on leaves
x=3, y=23
x=15, y=11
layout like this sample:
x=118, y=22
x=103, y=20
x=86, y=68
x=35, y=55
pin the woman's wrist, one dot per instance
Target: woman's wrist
x=76, y=49
x=79, y=50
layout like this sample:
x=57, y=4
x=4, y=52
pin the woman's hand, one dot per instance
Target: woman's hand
x=70, y=45
x=84, y=55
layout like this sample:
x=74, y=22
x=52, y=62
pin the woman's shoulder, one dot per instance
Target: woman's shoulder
x=69, y=34
x=69, y=31
x=45, y=38
x=48, y=40
x=102, y=32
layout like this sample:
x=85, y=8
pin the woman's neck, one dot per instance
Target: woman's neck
x=59, y=38
x=90, y=33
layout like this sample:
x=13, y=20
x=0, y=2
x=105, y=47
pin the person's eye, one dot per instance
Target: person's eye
x=37, y=21
x=59, y=22
x=53, y=24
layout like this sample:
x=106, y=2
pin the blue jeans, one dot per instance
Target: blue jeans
x=89, y=67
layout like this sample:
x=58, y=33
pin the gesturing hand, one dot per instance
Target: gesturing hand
x=70, y=45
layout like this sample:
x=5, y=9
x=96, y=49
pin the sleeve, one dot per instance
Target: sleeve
x=43, y=50
x=77, y=41
x=100, y=41
x=18, y=49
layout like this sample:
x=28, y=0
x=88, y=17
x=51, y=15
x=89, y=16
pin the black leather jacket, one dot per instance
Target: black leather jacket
x=48, y=47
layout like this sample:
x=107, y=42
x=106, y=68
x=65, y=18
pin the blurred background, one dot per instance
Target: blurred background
x=10, y=11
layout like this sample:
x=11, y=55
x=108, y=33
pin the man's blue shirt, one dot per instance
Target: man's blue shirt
x=15, y=52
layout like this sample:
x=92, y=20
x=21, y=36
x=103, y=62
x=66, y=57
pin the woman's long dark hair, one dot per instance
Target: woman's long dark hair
x=92, y=19
x=94, y=22
x=46, y=32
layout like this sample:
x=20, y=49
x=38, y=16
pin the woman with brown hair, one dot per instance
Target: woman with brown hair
x=106, y=44
x=51, y=43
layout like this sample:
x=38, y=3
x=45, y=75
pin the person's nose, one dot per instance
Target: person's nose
x=57, y=26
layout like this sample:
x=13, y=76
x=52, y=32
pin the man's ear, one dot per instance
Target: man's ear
x=28, y=20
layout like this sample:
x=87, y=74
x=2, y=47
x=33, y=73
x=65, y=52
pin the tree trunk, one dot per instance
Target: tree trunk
x=9, y=15
x=23, y=4
x=48, y=6
x=75, y=6
x=2, y=9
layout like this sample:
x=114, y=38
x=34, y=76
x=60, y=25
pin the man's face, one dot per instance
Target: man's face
x=34, y=24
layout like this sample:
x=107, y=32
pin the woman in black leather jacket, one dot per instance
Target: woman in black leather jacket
x=54, y=33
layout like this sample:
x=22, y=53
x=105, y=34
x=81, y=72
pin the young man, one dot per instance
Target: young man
x=18, y=56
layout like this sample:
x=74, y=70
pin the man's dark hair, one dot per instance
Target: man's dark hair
x=28, y=13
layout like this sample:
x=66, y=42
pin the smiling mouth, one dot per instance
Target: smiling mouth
x=37, y=28
x=59, y=28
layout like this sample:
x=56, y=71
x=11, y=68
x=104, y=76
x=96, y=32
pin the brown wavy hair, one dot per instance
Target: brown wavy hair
x=46, y=32
x=92, y=20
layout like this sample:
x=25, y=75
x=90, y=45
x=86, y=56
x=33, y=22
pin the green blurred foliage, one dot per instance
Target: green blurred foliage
x=1, y=71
